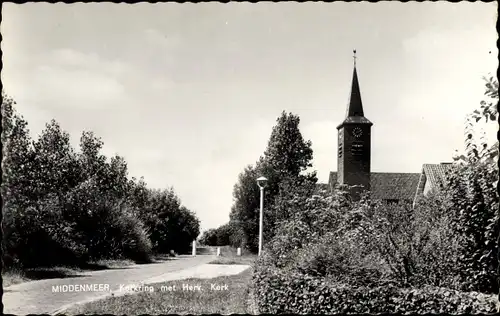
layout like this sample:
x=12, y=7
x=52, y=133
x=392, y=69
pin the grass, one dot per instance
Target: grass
x=234, y=300
x=113, y=264
x=16, y=275
x=248, y=259
x=229, y=256
x=13, y=276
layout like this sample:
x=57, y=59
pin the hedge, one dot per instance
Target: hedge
x=277, y=291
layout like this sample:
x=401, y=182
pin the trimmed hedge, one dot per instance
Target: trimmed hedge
x=284, y=292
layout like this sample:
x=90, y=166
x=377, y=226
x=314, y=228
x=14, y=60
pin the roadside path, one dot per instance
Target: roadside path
x=204, y=271
x=36, y=297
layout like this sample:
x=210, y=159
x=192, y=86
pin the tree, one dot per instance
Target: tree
x=291, y=188
x=287, y=152
x=56, y=167
x=17, y=181
x=171, y=225
x=209, y=237
x=29, y=223
x=138, y=196
x=36, y=178
x=63, y=207
x=488, y=110
x=189, y=230
x=93, y=163
x=224, y=233
x=244, y=213
x=287, y=156
x=474, y=188
x=117, y=177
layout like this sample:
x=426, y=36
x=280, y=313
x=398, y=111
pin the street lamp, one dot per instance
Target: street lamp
x=261, y=182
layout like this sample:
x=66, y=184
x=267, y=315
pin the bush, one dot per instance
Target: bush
x=417, y=245
x=361, y=249
x=103, y=226
x=339, y=259
x=135, y=243
x=72, y=229
x=313, y=217
x=228, y=234
x=284, y=292
x=473, y=194
x=474, y=202
x=171, y=226
x=38, y=235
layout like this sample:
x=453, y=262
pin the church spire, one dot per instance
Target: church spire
x=355, y=106
x=355, y=113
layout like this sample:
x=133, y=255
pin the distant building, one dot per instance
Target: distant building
x=354, y=161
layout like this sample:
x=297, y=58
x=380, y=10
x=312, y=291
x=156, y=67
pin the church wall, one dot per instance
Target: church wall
x=340, y=156
x=427, y=187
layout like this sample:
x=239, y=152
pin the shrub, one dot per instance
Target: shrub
x=171, y=226
x=38, y=236
x=416, y=244
x=102, y=225
x=474, y=203
x=312, y=218
x=474, y=199
x=339, y=259
x=284, y=292
x=360, y=245
x=135, y=243
x=74, y=228
x=228, y=234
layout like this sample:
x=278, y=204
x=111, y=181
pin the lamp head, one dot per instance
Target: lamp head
x=262, y=182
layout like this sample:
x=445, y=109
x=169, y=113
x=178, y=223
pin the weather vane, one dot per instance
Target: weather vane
x=354, y=51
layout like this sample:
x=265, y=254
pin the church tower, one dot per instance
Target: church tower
x=354, y=143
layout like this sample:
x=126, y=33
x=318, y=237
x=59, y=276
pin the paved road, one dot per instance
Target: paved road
x=37, y=297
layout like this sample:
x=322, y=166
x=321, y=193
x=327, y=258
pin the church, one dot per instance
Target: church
x=354, y=161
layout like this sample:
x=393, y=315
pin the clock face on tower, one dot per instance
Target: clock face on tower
x=357, y=132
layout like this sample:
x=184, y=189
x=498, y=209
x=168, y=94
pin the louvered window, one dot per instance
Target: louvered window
x=357, y=148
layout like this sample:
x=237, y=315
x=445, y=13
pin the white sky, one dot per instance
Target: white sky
x=188, y=93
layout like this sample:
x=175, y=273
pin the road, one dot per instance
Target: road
x=37, y=297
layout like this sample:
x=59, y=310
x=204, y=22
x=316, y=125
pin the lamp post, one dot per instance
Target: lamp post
x=261, y=182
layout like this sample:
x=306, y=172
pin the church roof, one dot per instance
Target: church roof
x=355, y=113
x=436, y=173
x=390, y=186
x=355, y=107
x=356, y=120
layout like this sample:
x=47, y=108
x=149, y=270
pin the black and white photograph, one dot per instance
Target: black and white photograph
x=250, y=158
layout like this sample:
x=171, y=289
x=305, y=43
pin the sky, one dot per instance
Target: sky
x=188, y=93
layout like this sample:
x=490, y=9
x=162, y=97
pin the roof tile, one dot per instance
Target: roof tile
x=390, y=186
x=436, y=173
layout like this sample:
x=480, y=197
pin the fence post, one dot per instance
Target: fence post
x=238, y=252
x=218, y=251
x=194, y=248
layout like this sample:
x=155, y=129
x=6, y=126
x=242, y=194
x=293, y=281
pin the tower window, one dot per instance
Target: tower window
x=341, y=134
x=357, y=148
